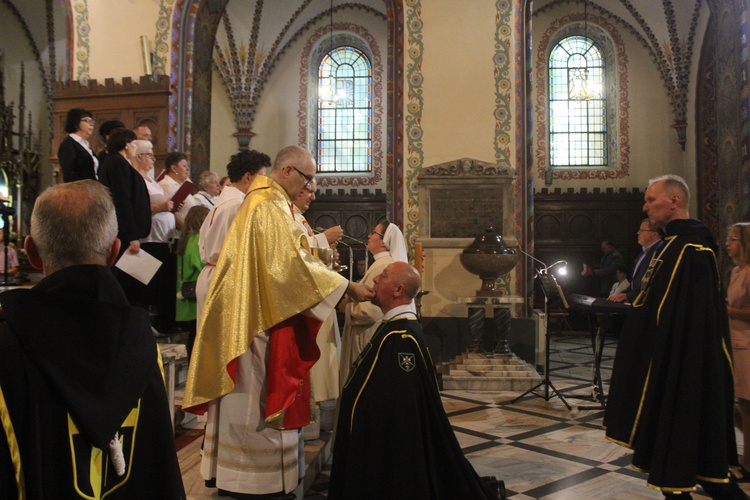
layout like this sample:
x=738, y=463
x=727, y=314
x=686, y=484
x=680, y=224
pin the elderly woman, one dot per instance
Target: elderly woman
x=208, y=183
x=159, y=293
x=77, y=159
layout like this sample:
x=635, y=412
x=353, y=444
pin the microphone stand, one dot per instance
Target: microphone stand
x=351, y=251
x=320, y=230
x=546, y=382
x=351, y=259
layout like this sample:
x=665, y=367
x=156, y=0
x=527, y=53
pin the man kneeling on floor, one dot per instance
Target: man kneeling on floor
x=83, y=408
x=393, y=438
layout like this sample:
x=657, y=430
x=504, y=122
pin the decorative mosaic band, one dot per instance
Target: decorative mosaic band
x=413, y=116
x=82, y=48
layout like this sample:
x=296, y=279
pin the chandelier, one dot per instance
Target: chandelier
x=327, y=91
x=579, y=88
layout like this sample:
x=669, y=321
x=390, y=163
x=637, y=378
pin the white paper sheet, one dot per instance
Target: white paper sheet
x=141, y=266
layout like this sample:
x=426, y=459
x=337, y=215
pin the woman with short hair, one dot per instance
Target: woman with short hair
x=77, y=159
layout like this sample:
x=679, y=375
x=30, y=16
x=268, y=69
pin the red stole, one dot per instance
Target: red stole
x=292, y=351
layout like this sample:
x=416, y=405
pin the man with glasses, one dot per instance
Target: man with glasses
x=257, y=339
x=650, y=241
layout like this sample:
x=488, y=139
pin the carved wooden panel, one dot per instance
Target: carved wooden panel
x=133, y=103
x=571, y=225
x=357, y=214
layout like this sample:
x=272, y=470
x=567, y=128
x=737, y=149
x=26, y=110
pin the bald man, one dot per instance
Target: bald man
x=393, y=438
x=671, y=397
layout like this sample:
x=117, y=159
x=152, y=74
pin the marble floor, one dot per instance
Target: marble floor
x=539, y=447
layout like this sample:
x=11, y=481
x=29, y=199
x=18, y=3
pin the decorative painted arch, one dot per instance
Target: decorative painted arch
x=194, y=27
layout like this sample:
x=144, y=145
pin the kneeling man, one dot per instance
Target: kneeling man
x=393, y=438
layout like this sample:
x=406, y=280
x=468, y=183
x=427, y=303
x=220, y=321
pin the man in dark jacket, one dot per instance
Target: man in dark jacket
x=83, y=408
x=671, y=395
x=393, y=438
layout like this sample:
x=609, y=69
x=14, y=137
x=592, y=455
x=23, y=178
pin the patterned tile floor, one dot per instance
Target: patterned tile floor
x=539, y=448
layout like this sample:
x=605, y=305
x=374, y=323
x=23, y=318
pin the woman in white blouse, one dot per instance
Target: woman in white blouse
x=160, y=292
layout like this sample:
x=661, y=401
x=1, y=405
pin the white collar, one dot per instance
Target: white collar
x=380, y=255
x=402, y=309
x=80, y=140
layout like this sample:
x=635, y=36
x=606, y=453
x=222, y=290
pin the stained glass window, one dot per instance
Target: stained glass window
x=577, y=104
x=345, y=112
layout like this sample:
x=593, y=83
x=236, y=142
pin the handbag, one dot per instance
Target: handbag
x=188, y=290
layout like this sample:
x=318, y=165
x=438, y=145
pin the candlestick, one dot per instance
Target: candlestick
x=418, y=257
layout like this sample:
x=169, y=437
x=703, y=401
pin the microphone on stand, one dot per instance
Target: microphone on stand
x=545, y=268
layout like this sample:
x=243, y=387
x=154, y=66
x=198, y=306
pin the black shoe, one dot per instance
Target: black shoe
x=744, y=476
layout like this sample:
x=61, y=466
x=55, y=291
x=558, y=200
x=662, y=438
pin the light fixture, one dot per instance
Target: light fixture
x=327, y=90
x=579, y=85
x=561, y=271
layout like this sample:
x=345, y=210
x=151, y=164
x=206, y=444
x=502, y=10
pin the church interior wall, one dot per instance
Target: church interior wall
x=114, y=38
x=459, y=87
x=652, y=146
x=282, y=110
x=451, y=94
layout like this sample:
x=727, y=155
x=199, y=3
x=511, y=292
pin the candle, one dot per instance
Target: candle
x=418, y=257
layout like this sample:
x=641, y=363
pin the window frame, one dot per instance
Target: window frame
x=345, y=116
x=579, y=117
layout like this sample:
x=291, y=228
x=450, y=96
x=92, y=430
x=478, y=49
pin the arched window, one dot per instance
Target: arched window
x=345, y=112
x=577, y=104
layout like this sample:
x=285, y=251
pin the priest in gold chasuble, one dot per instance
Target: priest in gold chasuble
x=256, y=343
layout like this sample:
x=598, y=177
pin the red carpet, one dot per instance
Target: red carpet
x=184, y=437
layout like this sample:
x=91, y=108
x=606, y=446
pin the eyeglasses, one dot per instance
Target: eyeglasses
x=88, y=119
x=379, y=234
x=308, y=178
x=149, y=155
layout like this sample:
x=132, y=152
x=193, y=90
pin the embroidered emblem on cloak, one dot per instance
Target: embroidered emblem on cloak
x=406, y=361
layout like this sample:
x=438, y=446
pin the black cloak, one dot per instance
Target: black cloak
x=78, y=364
x=393, y=438
x=671, y=397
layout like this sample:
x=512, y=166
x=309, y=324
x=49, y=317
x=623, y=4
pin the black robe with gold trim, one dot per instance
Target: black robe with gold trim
x=393, y=438
x=77, y=365
x=671, y=394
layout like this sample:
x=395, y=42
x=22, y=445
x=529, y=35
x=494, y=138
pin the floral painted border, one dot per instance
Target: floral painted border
x=503, y=86
x=542, y=101
x=162, y=39
x=413, y=116
x=523, y=188
x=83, y=49
x=377, y=105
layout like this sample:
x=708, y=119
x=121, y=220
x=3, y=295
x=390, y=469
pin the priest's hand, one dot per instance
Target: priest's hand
x=618, y=297
x=360, y=292
x=333, y=234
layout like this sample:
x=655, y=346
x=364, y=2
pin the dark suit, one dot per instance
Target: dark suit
x=635, y=281
x=130, y=196
x=76, y=163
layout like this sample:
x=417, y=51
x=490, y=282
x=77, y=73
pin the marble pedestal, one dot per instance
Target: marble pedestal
x=476, y=308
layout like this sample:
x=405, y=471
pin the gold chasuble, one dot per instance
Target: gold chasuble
x=265, y=277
